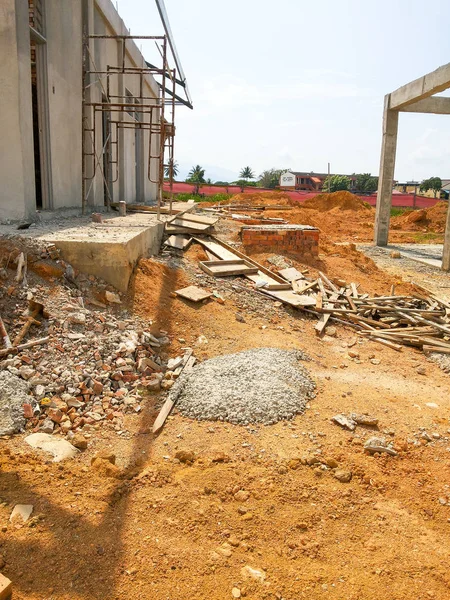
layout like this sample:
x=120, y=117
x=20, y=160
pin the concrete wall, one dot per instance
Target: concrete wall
x=17, y=195
x=63, y=89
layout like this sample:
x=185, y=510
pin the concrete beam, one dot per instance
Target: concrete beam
x=446, y=249
x=434, y=105
x=386, y=174
x=428, y=85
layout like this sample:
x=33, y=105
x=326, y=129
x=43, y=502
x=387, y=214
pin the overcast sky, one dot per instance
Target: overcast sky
x=296, y=83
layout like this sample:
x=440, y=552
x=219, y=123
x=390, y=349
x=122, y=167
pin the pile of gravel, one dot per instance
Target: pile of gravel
x=265, y=385
x=443, y=360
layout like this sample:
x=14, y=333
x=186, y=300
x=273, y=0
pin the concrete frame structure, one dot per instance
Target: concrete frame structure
x=44, y=157
x=416, y=97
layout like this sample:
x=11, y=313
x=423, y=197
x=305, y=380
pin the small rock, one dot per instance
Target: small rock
x=364, y=420
x=250, y=573
x=332, y=463
x=236, y=592
x=343, y=476
x=331, y=331
x=186, y=457
x=47, y=426
x=79, y=441
x=105, y=455
x=378, y=444
x=344, y=422
x=105, y=468
x=240, y=318
x=21, y=513
x=375, y=361
x=242, y=495
x=395, y=254
x=421, y=370
x=112, y=298
x=58, y=448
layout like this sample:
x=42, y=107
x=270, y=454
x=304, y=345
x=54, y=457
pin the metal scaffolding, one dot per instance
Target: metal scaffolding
x=149, y=113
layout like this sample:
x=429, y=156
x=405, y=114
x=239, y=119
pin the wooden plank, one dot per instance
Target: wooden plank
x=319, y=301
x=170, y=402
x=354, y=290
x=175, y=230
x=180, y=213
x=200, y=219
x=194, y=293
x=198, y=227
x=300, y=287
x=329, y=283
x=224, y=268
x=322, y=322
x=440, y=349
x=288, y=297
x=179, y=242
x=291, y=274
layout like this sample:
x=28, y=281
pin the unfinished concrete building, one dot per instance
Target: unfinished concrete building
x=418, y=96
x=85, y=120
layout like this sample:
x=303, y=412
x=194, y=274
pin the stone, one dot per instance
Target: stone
x=105, y=468
x=395, y=254
x=367, y=420
x=47, y=426
x=58, y=448
x=79, y=441
x=13, y=395
x=375, y=361
x=97, y=387
x=21, y=513
x=240, y=318
x=242, y=495
x=353, y=354
x=343, y=476
x=331, y=463
x=332, y=331
x=174, y=363
x=167, y=384
x=344, y=422
x=112, y=298
x=379, y=444
x=421, y=370
x=77, y=318
x=235, y=592
x=248, y=572
x=105, y=455
x=186, y=457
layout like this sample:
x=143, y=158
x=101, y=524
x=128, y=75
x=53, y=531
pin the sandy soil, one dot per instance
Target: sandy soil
x=168, y=530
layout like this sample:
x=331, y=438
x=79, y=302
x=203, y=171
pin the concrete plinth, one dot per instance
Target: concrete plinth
x=109, y=250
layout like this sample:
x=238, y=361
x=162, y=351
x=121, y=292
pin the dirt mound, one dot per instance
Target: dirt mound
x=342, y=200
x=265, y=198
x=430, y=218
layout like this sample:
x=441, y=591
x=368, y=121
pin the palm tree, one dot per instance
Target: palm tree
x=171, y=170
x=196, y=175
x=246, y=173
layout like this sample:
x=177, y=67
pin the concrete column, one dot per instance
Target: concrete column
x=17, y=191
x=446, y=250
x=386, y=175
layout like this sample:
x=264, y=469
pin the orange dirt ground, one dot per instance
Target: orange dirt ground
x=345, y=217
x=165, y=530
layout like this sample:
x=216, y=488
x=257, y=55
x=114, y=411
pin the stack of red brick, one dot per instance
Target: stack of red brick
x=294, y=239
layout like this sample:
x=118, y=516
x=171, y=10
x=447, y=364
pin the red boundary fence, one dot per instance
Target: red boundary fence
x=398, y=200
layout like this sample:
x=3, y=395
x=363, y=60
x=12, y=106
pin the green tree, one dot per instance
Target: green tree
x=171, y=169
x=365, y=182
x=271, y=178
x=434, y=183
x=196, y=176
x=335, y=183
x=246, y=173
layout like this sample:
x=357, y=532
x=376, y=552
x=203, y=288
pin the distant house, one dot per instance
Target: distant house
x=411, y=187
x=309, y=182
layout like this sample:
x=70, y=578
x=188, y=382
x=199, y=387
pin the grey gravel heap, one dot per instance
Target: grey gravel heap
x=265, y=386
x=13, y=394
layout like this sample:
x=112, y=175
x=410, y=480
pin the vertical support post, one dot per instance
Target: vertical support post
x=386, y=175
x=446, y=250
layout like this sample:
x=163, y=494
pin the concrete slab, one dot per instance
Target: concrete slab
x=109, y=250
x=428, y=254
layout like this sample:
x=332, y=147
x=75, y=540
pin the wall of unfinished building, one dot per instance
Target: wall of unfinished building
x=64, y=23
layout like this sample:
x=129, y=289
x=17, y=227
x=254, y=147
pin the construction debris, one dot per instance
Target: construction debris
x=193, y=293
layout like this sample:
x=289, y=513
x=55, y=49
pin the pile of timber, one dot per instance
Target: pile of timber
x=191, y=224
x=421, y=320
x=249, y=207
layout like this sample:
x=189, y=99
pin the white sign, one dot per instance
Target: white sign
x=287, y=180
